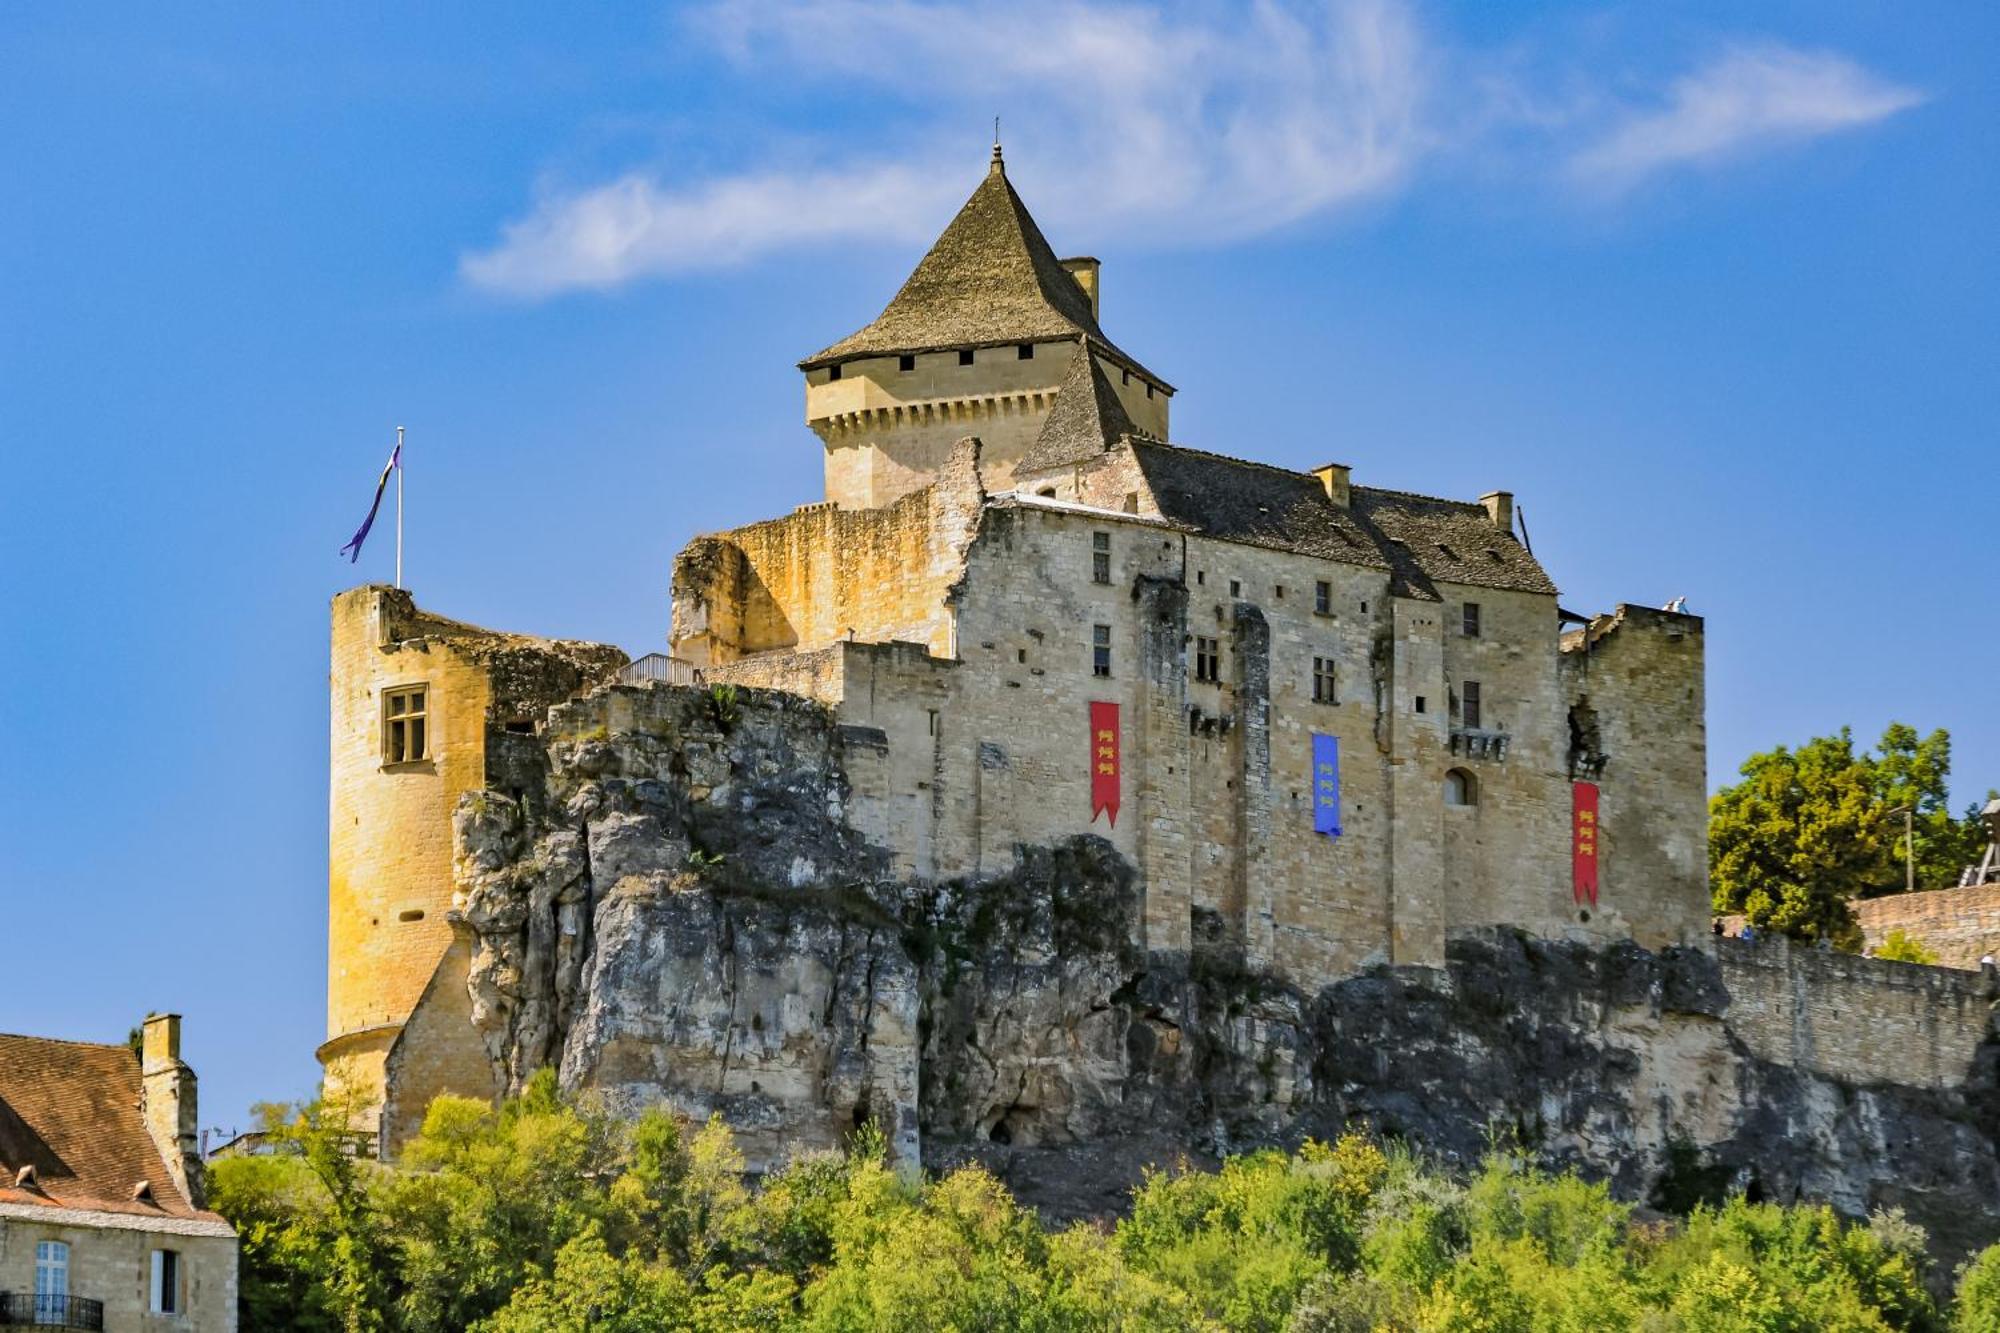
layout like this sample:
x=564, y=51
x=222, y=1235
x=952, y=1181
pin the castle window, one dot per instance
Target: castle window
x=832, y=374
x=1125, y=377
x=1047, y=492
x=1323, y=598
x=1323, y=681
x=1149, y=388
x=1131, y=502
x=1468, y=703
x=1100, y=650
x=1026, y=351
x=965, y=357
x=1201, y=576
x=1235, y=587
x=166, y=1285
x=1461, y=788
x=1100, y=557
x=1207, y=660
x=410, y=914
x=906, y=362
x=405, y=713
x=1421, y=701
x=1471, y=621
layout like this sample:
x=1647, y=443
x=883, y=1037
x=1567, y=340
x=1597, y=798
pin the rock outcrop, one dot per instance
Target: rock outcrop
x=679, y=911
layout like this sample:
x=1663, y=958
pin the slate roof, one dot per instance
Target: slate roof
x=1450, y=541
x=1086, y=420
x=1258, y=505
x=70, y=1109
x=990, y=279
x=1419, y=539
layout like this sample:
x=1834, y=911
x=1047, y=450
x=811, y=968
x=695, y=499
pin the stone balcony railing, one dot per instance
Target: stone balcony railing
x=1473, y=743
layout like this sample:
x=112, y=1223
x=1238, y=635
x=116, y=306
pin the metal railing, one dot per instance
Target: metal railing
x=37, y=1310
x=662, y=668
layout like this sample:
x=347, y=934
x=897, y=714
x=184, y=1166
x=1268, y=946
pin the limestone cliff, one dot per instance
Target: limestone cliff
x=679, y=911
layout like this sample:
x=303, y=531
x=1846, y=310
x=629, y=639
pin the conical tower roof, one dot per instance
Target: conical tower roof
x=1087, y=419
x=991, y=279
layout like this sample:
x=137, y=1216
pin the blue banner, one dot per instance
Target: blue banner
x=1326, y=785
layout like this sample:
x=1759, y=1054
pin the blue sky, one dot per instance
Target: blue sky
x=1710, y=287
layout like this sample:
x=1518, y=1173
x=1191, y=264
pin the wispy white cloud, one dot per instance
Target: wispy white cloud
x=1746, y=99
x=1171, y=125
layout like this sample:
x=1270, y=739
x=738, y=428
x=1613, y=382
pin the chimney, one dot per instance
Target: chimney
x=1334, y=477
x=1499, y=507
x=1085, y=270
x=167, y=1102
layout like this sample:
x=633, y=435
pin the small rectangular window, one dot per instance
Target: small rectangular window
x=1323, y=681
x=1131, y=502
x=1280, y=591
x=1125, y=377
x=906, y=363
x=1471, y=620
x=1201, y=576
x=1322, y=598
x=1149, y=389
x=1207, y=660
x=965, y=357
x=1236, y=587
x=1100, y=557
x=1468, y=704
x=1026, y=351
x=1420, y=703
x=166, y=1284
x=832, y=374
x=405, y=725
x=1100, y=650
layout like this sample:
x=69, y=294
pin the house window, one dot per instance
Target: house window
x=1236, y=587
x=1323, y=681
x=1100, y=557
x=51, y=1281
x=832, y=374
x=1322, y=598
x=166, y=1297
x=1026, y=351
x=1471, y=620
x=1207, y=659
x=405, y=733
x=965, y=357
x=1461, y=788
x=1100, y=650
x=1468, y=704
x=906, y=362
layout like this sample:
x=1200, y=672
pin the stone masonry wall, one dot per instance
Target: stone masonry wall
x=1863, y=1020
x=1960, y=925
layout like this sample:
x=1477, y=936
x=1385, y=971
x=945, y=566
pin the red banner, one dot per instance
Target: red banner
x=1584, y=842
x=1104, y=761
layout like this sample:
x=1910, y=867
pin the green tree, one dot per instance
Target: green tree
x=1902, y=947
x=1809, y=830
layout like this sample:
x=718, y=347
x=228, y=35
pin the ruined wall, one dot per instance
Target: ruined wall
x=1864, y=1020
x=1634, y=682
x=825, y=574
x=1960, y=925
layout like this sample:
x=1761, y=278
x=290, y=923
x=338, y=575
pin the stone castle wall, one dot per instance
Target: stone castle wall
x=1862, y=1020
x=1960, y=925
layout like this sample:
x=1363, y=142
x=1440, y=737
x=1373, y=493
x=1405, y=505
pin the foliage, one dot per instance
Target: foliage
x=1809, y=830
x=723, y=710
x=1902, y=947
x=546, y=1213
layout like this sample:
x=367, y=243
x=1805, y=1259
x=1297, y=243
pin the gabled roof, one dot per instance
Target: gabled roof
x=1240, y=501
x=1450, y=541
x=1086, y=420
x=990, y=279
x=71, y=1110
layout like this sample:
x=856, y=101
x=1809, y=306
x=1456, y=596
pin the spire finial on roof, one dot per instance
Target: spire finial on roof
x=999, y=166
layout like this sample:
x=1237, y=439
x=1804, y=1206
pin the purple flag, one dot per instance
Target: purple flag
x=353, y=548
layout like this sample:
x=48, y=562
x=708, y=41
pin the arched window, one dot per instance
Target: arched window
x=1461, y=788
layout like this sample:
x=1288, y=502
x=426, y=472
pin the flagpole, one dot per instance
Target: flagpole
x=399, y=506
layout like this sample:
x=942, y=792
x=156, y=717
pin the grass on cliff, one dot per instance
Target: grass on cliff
x=548, y=1215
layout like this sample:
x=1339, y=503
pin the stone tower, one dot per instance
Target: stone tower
x=976, y=342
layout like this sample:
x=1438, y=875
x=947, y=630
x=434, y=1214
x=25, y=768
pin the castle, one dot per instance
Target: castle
x=1328, y=726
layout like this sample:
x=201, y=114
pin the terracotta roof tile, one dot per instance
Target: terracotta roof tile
x=71, y=1110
